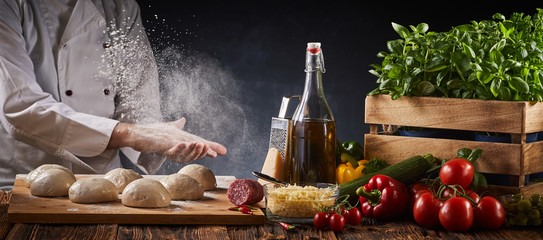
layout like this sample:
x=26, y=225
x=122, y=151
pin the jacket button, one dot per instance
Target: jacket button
x=69, y=92
x=106, y=91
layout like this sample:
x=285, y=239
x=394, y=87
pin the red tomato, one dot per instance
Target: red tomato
x=456, y=172
x=449, y=192
x=416, y=196
x=352, y=216
x=426, y=210
x=337, y=222
x=417, y=187
x=321, y=220
x=474, y=196
x=456, y=214
x=489, y=213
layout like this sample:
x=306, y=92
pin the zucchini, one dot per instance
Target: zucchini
x=406, y=171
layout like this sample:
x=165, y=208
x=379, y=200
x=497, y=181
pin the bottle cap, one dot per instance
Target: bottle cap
x=313, y=47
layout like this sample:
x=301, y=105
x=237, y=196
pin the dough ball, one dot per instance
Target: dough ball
x=122, y=177
x=34, y=173
x=93, y=190
x=202, y=174
x=145, y=192
x=52, y=183
x=183, y=187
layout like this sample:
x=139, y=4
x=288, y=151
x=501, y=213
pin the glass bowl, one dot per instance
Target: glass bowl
x=298, y=203
x=522, y=210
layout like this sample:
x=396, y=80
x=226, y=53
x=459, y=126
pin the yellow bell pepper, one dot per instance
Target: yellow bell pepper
x=345, y=172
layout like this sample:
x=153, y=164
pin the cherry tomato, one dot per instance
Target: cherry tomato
x=352, y=216
x=321, y=220
x=457, y=172
x=416, y=196
x=456, y=214
x=449, y=192
x=474, y=196
x=489, y=213
x=417, y=187
x=337, y=222
x=426, y=210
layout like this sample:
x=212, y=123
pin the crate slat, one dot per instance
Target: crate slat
x=454, y=113
x=517, y=118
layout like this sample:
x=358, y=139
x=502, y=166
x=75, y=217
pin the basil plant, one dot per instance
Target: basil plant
x=499, y=59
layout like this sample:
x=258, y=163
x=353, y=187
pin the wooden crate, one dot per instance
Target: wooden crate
x=516, y=118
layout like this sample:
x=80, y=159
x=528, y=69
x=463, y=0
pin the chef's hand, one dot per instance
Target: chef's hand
x=167, y=138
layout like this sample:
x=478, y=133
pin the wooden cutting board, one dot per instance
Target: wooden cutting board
x=212, y=209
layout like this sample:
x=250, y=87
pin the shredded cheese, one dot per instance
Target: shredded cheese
x=299, y=202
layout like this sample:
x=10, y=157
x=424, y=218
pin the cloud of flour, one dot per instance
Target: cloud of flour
x=197, y=87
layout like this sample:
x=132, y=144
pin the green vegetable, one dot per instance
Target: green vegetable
x=349, y=151
x=354, y=149
x=500, y=59
x=406, y=171
x=374, y=165
x=523, y=211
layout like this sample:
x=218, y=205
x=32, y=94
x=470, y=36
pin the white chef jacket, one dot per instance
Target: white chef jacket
x=60, y=101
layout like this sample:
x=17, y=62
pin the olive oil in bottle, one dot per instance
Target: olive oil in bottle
x=313, y=138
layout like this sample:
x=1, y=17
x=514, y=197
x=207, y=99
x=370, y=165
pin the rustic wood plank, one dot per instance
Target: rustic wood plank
x=275, y=231
x=243, y=232
x=51, y=231
x=397, y=148
x=502, y=233
x=140, y=232
x=401, y=229
x=533, y=155
x=453, y=113
x=534, y=117
x=5, y=226
x=374, y=128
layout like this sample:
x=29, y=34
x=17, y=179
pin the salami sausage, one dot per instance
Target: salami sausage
x=245, y=191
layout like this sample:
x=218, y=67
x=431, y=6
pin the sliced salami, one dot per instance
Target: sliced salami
x=245, y=191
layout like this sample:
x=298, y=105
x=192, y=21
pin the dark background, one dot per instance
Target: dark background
x=262, y=45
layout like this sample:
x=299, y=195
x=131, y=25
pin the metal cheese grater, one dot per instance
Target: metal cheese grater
x=280, y=128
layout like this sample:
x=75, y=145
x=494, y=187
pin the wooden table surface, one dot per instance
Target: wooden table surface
x=405, y=229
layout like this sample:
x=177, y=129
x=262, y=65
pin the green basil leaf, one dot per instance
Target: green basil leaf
x=537, y=78
x=474, y=155
x=498, y=16
x=395, y=73
x=479, y=182
x=395, y=46
x=496, y=57
x=382, y=54
x=485, y=76
x=375, y=73
x=426, y=88
x=463, y=153
x=495, y=87
x=519, y=85
x=439, y=45
x=468, y=51
x=435, y=68
x=510, y=63
x=466, y=28
x=401, y=30
x=422, y=27
x=461, y=60
x=505, y=94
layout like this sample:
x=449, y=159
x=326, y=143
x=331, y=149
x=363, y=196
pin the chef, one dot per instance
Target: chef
x=78, y=85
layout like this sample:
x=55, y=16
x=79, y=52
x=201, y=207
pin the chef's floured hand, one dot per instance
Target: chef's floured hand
x=167, y=138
